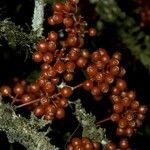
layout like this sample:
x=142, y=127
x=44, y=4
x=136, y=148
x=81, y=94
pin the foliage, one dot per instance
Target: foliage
x=22, y=130
x=15, y=36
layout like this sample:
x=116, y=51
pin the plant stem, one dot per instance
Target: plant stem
x=102, y=121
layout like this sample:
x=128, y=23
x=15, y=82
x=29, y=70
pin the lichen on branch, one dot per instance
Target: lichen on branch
x=38, y=17
x=22, y=130
x=90, y=129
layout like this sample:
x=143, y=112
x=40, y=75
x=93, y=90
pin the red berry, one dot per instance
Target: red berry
x=118, y=108
x=75, y=142
x=111, y=146
x=92, y=32
x=126, y=101
x=88, y=85
x=85, y=53
x=26, y=98
x=51, y=21
x=51, y=72
x=41, y=81
x=95, y=91
x=142, y=109
x=53, y=36
x=91, y=70
x=48, y=117
x=45, y=66
x=113, y=62
x=99, y=77
x=132, y=123
x=95, y=56
x=102, y=51
x=50, y=109
x=115, y=91
x=60, y=113
x=63, y=102
x=68, y=76
x=44, y=101
x=55, y=80
x=96, y=145
x=73, y=54
x=88, y=146
x=51, y=46
x=120, y=131
x=59, y=66
x=34, y=87
x=115, y=99
x=134, y=105
x=123, y=94
x=124, y=144
x=72, y=41
x=105, y=58
x=18, y=89
x=121, y=84
x=129, y=131
x=58, y=7
x=85, y=140
x=39, y=111
x=131, y=95
x=100, y=65
x=138, y=122
x=122, y=123
x=104, y=87
x=48, y=57
x=67, y=7
x=68, y=22
x=70, y=147
x=115, y=117
x=42, y=46
x=81, y=62
x=114, y=70
x=140, y=116
x=80, y=42
x=70, y=66
x=37, y=56
x=109, y=78
x=122, y=72
x=5, y=90
x=58, y=18
x=117, y=55
x=66, y=91
x=49, y=87
x=129, y=116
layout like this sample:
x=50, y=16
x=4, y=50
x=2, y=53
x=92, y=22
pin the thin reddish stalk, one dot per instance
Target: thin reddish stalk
x=31, y=102
x=51, y=97
x=102, y=121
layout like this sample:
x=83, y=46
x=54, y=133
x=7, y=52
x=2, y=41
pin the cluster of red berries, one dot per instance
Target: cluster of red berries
x=59, y=57
x=127, y=112
x=123, y=145
x=67, y=15
x=102, y=72
x=60, y=54
x=83, y=143
x=144, y=6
